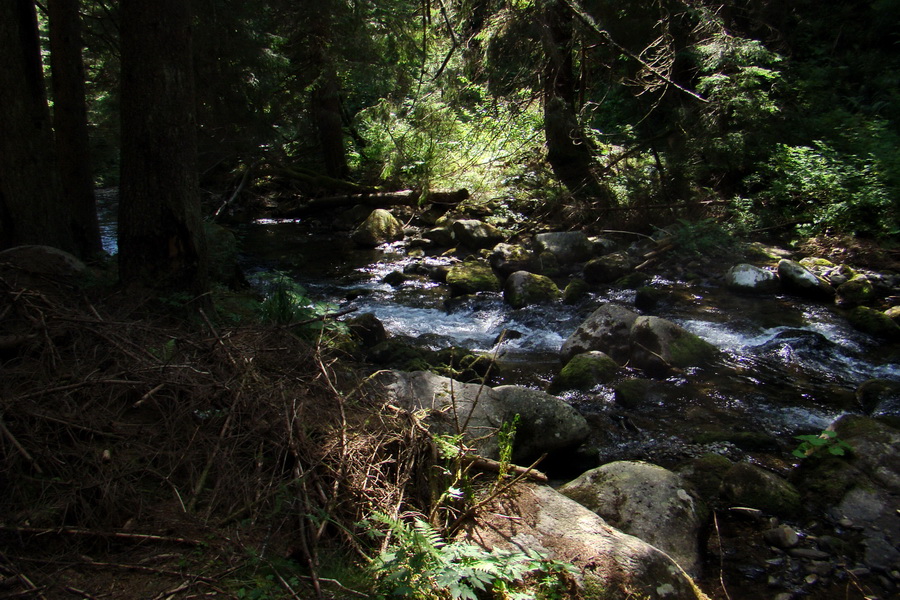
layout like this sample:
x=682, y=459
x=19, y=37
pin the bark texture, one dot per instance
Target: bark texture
x=161, y=239
x=70, y=123
x=30, y=208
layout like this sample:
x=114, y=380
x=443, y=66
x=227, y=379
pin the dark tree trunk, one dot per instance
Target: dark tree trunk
x=568, y=151
x=70, y=123
x=161, y=240
x=31, y=211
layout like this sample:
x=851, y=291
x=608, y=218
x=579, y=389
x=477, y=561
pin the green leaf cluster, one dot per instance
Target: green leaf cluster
x=826, y=442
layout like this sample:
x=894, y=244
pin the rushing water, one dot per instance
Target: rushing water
x=788, y=366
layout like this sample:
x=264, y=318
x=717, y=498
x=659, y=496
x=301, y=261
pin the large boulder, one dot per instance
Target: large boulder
x=567, y=246
x=523, y=288
x=475, y=234
x=546, y=423
x=797, y=279
x=506, y=259
x=646, y=501
x=379, y=227
x=751, y=486
x=751, y=279
x=609, y=268
x=584, y=372
x=42, y=263
x=471, y=277
x=606, y=330
x=613, y=565
x=658, y=345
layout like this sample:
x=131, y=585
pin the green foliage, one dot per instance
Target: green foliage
x=287, y=302
x=506, y=437
x=826, y=442
x=702, y=237
x=827, y=191
x=420, y=565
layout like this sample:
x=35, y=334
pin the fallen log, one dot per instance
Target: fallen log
x=374, y=199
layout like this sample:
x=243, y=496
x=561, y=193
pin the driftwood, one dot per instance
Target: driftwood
x=375, y=199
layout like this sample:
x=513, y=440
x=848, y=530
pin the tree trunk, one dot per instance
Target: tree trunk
x=70, y=123
x=568, y=151
x=161, y=240
x=31, y=211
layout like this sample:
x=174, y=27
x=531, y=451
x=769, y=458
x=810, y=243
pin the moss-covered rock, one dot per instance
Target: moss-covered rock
x=506, y=259
x=813, y=262
x=855, y=292
x=523, y=288
x=748, y=485
x=378, y=228
x=475, y=234
x=874, y=322
x=584, y=372
x=658, y=345
x=576, y=290
x=705, y=475
x=471, y=277
x=567, y=246
x=607, y=269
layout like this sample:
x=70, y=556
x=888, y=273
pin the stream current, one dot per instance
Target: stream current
x=788, y=367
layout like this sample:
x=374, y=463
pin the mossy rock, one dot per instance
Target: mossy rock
x=396, y=353
x=812, y=262
x=658, y=345
x=874, y=322
x=471, y=277
x=576, y=290
x=824, y=479
x=522, y=289
x=856, y=292
x=647, y=297
x=633, y=280
x=378, y=228
x=745, y=440
x=584, y=372
x=748, y=485
x=705, y=475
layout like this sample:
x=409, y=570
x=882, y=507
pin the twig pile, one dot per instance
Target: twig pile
x=110, y=422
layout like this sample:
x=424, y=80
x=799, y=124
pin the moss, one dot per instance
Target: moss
x=523, y=288
x=471, y=277
x=874, y=322
x=691, y=350
x=575, y=291
x=858, y=290
x=752, y=486
x=584, y=372
x=825, y=480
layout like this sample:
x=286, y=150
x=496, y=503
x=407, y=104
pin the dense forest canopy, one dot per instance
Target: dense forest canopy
x=764, y=115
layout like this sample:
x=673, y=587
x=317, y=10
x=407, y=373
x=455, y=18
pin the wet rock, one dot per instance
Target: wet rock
x=613, y=564
x=894, y=314
x=609, y=268
x=751, y=279
x=705, y=474
x=576, y=290
x=440, y=236
x=506, y=259
x=874, y=322
x=880, y=399
x=798, y=280
x=855, y=292
x=782, y=536
x=647, y=297
x=395, y=278
x=658, y=345
x=606, y=330
x=475, y=234
x=368, y=329
x=584, y=372
x=546, y=423
x=568, y=246
x=646, y=501
x=471, y=277
x=748, y=485
x=378, y=228
x=523, y=289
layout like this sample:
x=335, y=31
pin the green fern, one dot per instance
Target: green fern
x=420, y=565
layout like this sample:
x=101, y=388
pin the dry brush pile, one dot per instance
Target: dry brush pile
x=116, y=418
